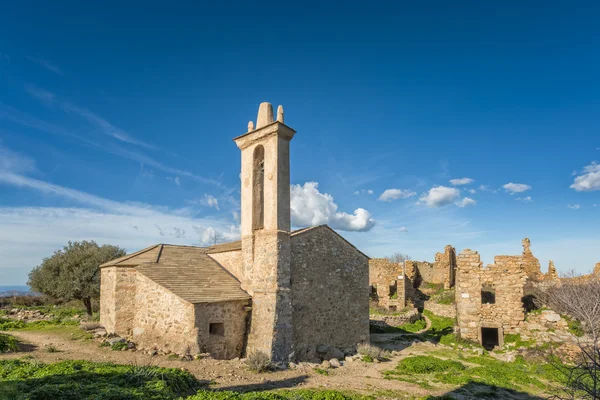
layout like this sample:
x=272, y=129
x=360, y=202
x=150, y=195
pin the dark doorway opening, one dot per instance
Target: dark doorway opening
x=490, y=338
x=529, y=303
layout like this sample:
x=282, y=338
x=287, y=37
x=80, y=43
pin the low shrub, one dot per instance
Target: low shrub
x=51, y=349
x=428, y=365
x=413, y=327
x=322, y=371
x=574, y=326
x=259, y=361
x=8, y=343
x=370, y=353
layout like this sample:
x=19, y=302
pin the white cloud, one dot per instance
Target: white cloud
x=466, y=201
x=472, y=191
x=403, y=229
x=395, y=194
x=527, y=199
x=175, y=180
x=15, y=162
x=461, y=181
x=589, y=180
x=105, y=126
x=439, y=196
x=486, y=188
x=574, y=206
x=311, y=207
x=513, y=188
x=363, y=191
x=369, y=191
x=210, y=201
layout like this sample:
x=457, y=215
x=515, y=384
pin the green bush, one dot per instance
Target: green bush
x=574, y=326
x=8, y=343
x=428, y=365
x=84, y=380
x=7, y=324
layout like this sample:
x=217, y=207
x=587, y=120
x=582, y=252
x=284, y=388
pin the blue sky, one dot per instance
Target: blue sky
x=419, y=125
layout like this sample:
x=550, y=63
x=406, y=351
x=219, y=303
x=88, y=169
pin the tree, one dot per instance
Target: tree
x=579, y=297
x=72, y=273
x=398, y=258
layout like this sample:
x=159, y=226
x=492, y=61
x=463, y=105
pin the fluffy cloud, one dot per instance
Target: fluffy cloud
x=513, y=188
x=574, y=206
x=395, y=194
x=467, y=201
x=527, y=199
x=589, y=180
x=439, y=196
x=311, y=207
x=461, y=181
x=472, y=191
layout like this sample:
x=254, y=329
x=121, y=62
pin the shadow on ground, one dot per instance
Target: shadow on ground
x=474, y=390
x=266, y=385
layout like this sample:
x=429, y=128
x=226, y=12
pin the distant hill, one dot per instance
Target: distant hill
x=16, y=290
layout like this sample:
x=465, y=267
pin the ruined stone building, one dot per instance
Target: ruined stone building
x=393, y=285
x=491, y=301
x=286, y=293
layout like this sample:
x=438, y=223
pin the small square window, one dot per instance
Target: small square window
x=217, y=329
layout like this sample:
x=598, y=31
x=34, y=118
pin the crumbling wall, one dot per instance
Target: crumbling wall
x=445, y=267
x=502, y=305
x=531, y=264
x=388, y=281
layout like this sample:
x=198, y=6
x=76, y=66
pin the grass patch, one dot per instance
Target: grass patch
x=8, y=343
x=413, y=327
x=515, y=340
x=118, y=346
x=321, y=371
x=7, y=324
x=574, y=326
x=484, y=370
x=70, y=380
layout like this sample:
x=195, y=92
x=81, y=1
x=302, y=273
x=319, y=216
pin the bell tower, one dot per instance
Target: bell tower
x=265, y=225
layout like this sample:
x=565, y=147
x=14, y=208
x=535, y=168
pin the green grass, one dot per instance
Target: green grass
x=66, y=380
x=8, y=343
x=321, y=371
x=7, y=324
x=515, y=340
x=574, y=326
x=118, y=346
x=484, y=370
x=413, y=327
x=83, y=380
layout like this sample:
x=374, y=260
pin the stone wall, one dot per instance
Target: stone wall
x=117, y=299
x=445, y=310
x=387, y=280
x=330, y=293
x=503, y=309
x=231, y=261
x=445, y=266
x=163, y=320
x=228, y=342
x=395, y=320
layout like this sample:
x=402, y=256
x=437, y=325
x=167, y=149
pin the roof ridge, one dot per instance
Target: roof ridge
x=128, y=256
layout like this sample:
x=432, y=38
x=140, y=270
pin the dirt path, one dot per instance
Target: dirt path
x=226, y=374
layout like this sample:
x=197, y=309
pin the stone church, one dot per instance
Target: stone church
x=291, y=294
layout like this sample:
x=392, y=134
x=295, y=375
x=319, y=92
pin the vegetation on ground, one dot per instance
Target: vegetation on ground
x=8, y=343
x=413, y=327
x=8, y=324
x=72, y=273
x=259, y=361
x=370, y=353
x=427, y=371
x=65, y=380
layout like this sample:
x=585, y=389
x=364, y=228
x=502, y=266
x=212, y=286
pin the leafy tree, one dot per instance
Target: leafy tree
x=72, y=273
